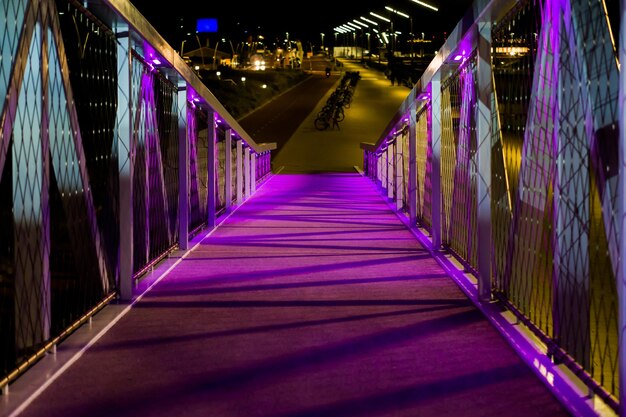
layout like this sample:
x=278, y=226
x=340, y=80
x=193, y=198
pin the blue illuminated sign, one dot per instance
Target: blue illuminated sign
x=206, y=25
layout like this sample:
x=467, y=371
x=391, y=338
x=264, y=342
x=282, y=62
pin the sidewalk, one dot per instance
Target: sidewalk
x=374, y=104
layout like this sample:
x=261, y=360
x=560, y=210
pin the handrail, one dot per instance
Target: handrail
x=129, y=15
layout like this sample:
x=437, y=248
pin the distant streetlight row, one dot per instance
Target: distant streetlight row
x=356, y=24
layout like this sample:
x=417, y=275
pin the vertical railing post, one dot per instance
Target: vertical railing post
x=373, y=165
x=211, y=174
x=379, y=170
x=228, y=168
x=436, y=132
x=183, y=169
x=126, y=165
x=412, y=180
x=399, y=172
x=253, y=175
x=239, y=171
x=621, y=216
x=483, y=154
x=246, y=172
x=390, y=178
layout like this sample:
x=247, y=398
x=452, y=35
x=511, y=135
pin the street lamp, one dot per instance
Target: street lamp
x=385, y=19
x=398, y=12
x=322, y=40
x=421, y=3
x=369, y=21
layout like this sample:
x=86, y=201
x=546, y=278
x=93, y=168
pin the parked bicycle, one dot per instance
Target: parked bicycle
x=333, y=111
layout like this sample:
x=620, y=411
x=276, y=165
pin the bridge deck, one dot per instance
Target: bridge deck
x=312, y=299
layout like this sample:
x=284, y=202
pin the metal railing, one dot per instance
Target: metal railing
x=98, y=117
x=507, y=155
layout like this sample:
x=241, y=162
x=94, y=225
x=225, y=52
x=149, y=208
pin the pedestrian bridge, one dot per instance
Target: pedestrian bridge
x=156, y=260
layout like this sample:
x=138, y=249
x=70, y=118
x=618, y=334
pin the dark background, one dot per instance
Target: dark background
x=304, y=21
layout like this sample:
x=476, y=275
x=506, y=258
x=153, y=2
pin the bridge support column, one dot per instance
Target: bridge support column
x=126, y=164
x=412, y=180
x=183, y=169
x=483, y=154
x=211, y=174
x=621, y=216
x=228, y=169
x=239, y=171
x=246, y=172
x=435, y=109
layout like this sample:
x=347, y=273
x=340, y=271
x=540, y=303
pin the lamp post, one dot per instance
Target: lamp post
x=429, y=6
x=399, y=13
x=385, y=19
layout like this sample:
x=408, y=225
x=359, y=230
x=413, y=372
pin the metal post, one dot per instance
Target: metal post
x=246, y=172
x=412, y=180
x=379, y=170
x=126, y=164
x=228, y=168
x=239, y=171
x=211, y=174
x=436, y=132
x=389, y=158
x=253, y=175
x=483, y=153
x=399, y=172
x=383, y=170
x=183, y=169
x=621, y=216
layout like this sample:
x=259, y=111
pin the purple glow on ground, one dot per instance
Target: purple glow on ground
x=312, y=300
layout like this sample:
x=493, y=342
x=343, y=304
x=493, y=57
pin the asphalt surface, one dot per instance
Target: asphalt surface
x=278, y=120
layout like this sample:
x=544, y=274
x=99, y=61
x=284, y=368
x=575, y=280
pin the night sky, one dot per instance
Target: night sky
x=302, y=20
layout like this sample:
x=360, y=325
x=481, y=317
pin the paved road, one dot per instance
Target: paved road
x=374, y=104
x=288, y=121
x=278, y=120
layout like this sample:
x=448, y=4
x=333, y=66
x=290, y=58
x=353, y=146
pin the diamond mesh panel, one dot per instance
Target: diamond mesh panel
x=155, y=178
x=405, y=168
x=7, y=271
x=198, y=170
x=167, y=117
x=458, y=163
x=220, y=167
x=90, y=51
x=30, y=211
x=55, y=268
x=141, y=207
x=78, y=283
x=11, y=22
x=552, y=198
x=513, y=76
x=587, y=327
x=423, y=150
x=233, y=165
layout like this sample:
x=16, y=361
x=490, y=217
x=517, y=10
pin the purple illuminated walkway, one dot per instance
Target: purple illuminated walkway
x=312, y=300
